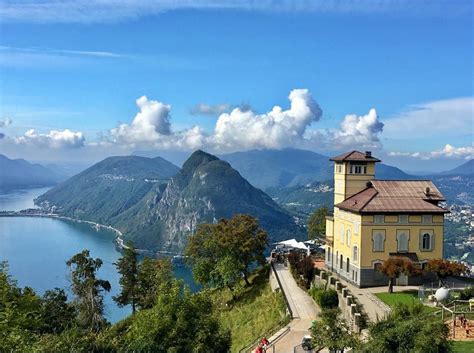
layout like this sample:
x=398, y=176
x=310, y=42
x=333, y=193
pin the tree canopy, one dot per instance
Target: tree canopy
x=317, y=223
x=127, y=266
x=223, y=252
x=445, y=268
x=394, y=266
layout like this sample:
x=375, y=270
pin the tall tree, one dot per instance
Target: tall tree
x=88, y=290
x=239, y=241
x=58, y=314
x=153, y=275
x=317, y=223
x=445, y=268
x=333, y=332
x=127, y=266
x=394, y=266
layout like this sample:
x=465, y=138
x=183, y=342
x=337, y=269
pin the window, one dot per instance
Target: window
x=426, y=240
x=328, y=254
x=355, y=253
x=423, y=265
x=427, y=219
x=341, y=260
x=338, y=168
x=358, y=169
x=347, y=265
x=403, y=219
x=402, y=240
x=377, y=266
x=348, y=237
x=341, y=233
x=379, y=218
x=337, y=258
x=378, y=240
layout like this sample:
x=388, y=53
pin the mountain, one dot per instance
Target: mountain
x=159, y=213
x=280, y=168
x=20, y=174
x=267, y=169
x=464, y=169
x=107, y=189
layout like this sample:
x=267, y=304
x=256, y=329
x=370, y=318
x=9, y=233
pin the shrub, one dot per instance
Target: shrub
x=329, y=299
x=467, y=293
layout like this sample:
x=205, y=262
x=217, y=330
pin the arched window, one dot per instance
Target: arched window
x=378, y=240
x=426, y=241
x=341, y=260
x=348, y=237
x=328, y=254
x=402, y=241
x=355, y=253
x=347, y=265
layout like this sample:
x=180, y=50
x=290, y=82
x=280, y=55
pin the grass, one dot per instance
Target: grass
x=463, y=346
x=256, y=311
x=407, y=297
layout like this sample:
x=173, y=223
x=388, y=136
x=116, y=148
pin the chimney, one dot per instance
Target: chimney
x=368, y=154
x=427, y=191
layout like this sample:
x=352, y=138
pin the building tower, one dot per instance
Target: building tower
x=352, y=172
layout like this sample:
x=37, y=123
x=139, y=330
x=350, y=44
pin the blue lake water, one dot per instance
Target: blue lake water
x=37, y=250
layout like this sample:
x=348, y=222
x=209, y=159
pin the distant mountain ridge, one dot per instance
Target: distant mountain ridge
x=464, y=169
x=158, y=211
x=20, y=174
x=294, y=167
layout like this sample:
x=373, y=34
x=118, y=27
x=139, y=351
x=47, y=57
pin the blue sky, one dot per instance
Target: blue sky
x=83, y=67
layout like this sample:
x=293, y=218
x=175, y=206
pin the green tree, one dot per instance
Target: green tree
x=57, y=313
x=317, y=223
x=88, y=290
x=408, y=329
x=221, y=253
x=127, y=266
x=152, y=275
x=179, y=322
x=394, y=266
x=20, y=314
x=333, y=332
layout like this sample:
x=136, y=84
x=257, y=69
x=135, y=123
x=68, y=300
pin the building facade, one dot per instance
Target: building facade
x=375, y=219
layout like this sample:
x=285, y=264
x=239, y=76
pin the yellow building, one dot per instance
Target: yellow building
x=375, y=219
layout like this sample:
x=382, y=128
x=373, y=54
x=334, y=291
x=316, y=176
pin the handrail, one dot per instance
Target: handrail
x=267, y=333
x=284, y=295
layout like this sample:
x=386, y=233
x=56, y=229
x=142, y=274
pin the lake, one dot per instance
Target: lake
x=37, y=250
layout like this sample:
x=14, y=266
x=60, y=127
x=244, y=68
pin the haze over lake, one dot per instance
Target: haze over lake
x=37, y=250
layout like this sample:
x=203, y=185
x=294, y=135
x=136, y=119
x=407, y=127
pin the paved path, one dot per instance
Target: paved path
x=304, y=312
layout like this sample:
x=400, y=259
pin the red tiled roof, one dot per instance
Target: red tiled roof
x=396, y=196
x=354, y=156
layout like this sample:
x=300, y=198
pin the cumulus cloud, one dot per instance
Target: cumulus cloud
x=5, y=122
x=207, y=109
x=448, y=151
x=54, y=139
x=360, y=131
x=276, y=129
x=240, y=129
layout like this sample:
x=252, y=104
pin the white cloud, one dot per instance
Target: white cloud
x=362, y=131
x=275, y=129
x=90, y=11
x=54, y=139
x=148, y=126
x=455, y=152
x=443, y=118
x=208, y=109
x=243, y=129
x=448, y=151
x=5, y=122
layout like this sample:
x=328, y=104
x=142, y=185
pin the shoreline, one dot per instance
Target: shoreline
x=118, y=240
